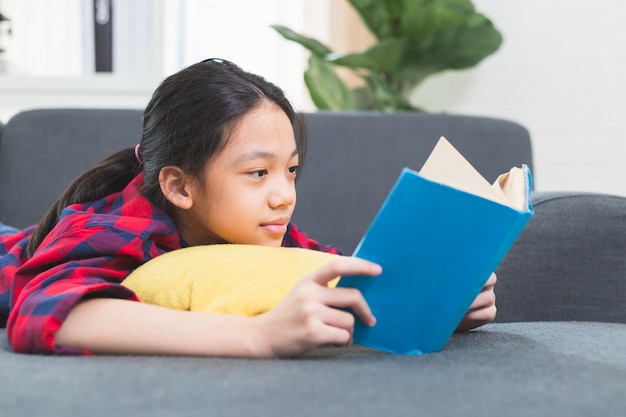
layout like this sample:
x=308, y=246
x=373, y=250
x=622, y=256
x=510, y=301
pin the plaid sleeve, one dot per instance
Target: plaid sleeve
x=12, y=255
x=84, y=261
x=7, y=230
x=297, y=239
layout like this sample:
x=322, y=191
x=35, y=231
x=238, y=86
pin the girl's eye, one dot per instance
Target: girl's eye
x=294, y=169
x=259, y=173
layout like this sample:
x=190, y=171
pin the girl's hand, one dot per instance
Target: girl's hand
x=311, y=316
x=483, y=309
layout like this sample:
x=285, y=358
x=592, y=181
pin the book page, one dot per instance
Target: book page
x=446, y=165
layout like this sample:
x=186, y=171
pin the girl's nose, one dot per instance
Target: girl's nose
x=283, y=193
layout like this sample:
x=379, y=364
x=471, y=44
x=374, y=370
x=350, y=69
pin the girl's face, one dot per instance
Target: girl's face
x=249, y=193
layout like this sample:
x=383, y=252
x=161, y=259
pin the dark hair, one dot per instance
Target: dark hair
x=186, y=123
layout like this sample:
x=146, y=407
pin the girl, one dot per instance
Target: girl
x=217, y=163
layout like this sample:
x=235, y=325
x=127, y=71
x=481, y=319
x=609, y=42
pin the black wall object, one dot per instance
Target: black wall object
x=103, y=35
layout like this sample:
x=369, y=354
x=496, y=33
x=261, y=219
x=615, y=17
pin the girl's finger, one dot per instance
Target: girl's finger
x=349, y=298
x=338, y=318
x=481, y=316
x=491, y=282
x=335, y=335
x=344, y=265
x=483, y=299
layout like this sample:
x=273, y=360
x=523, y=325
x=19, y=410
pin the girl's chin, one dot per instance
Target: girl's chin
x=265, y=241
x=274, y=243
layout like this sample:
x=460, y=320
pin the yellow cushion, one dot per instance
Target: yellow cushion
x=229, y=279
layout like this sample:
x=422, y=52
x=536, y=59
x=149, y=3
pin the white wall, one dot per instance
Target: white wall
x=561, y=72
x=238, y=30
x=46, y=53
x=44, y=38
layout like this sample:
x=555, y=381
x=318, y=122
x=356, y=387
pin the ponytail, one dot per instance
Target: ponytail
x=109, y=176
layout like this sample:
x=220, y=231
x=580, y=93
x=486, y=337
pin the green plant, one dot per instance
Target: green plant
x=414, y=39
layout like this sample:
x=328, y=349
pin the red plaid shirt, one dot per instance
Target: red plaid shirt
x=91, y=250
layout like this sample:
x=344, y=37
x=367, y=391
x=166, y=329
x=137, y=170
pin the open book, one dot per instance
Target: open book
x=439, y=235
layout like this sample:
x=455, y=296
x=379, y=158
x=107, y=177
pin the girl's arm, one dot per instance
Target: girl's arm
x=309, y=317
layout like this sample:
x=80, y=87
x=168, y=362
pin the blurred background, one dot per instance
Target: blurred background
x=560, y=70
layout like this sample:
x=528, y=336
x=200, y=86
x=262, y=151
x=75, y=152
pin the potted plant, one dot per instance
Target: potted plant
x=414, y=39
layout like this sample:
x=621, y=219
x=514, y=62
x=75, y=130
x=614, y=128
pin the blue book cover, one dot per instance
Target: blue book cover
x=438, y=236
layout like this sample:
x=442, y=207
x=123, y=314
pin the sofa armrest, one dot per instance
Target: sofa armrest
x=569, y=263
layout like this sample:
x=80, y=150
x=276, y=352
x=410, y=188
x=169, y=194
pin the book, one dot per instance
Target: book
x=438, y=236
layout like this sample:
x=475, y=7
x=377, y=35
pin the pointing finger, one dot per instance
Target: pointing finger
x=344, y=265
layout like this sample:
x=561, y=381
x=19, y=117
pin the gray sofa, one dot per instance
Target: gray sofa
x=558, y=346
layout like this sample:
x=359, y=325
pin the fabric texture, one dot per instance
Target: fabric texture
x=575, y=369
x=569, y=263
x=228, y=279
x=6, y=229
x=91, y=250
x=44, y=149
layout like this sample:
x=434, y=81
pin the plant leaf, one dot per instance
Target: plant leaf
x=475, y=41
x=415, y=39
x=364, y=99
x=388, y=99
x=327, y=90
x=385, y=56
x=448, y=34
x=316, y=47
x=434, y=35
x=456, y=48
x=374, y=15
x=422, y=20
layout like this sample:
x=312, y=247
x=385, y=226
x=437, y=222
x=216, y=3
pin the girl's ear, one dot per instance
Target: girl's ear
x=176, y=186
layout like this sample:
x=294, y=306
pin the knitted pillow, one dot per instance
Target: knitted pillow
x=229, y=279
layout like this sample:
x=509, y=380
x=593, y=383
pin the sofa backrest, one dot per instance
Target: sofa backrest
x=566, y=265
x=353, y=159
x=43, y=150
